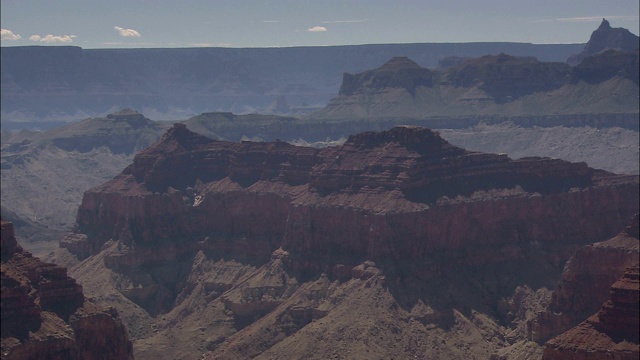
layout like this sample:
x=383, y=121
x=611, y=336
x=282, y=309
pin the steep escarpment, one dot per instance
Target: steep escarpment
x=239, y=249
x=610, y=333
x=45, y=314
x=61, y=164
x=406, y=170
x=585, y=283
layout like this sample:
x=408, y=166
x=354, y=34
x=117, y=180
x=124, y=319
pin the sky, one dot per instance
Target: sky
x=285, y=23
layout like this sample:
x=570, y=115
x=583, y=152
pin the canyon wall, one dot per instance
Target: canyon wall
x=399, y=196
x=242, y=231
x=45, y=314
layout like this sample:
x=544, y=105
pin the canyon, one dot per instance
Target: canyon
x=244, y=249
x=485, y=206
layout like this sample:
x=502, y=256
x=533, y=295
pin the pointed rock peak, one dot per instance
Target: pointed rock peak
x=8, y=243
x=604, y=25
x=400, y=62
x=179, y=133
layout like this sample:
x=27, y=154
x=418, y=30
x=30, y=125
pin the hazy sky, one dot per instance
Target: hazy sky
x=267, y=23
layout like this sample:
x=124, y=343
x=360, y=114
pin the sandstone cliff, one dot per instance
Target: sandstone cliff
x=45, y=314
x=239, y=249
x=585, y=283
x=610, y=333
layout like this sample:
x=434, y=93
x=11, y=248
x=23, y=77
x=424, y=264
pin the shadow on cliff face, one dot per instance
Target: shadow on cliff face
x=473, y=280
x=154, y=287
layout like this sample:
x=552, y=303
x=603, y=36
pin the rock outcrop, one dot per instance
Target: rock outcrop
x=585, y=283
x=399, y=72
x=347, y=204
x=612, y=333
x=505, y=78
x=266, y=239
x=604, y=38
x=492, y=85
x=45, y=314
x=605, y=65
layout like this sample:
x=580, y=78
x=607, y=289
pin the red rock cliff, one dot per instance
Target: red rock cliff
x=585, y=283
x=612, y=333
x=45, y=314
x=399, y=195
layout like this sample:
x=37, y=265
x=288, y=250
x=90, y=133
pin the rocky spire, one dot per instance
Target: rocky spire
x=606, y=37
x=604, y=25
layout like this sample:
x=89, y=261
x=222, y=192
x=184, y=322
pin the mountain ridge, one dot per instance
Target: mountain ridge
x=296, y=227
x=74, y=83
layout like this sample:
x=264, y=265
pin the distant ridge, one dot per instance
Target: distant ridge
x=605, y=37
x=70, y=83
x=491, y=85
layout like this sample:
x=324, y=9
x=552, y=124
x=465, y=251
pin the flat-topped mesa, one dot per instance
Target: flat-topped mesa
x=134, y=118
x=507, y=77
x=397, y=73
x=422, y=140
x=425, y=167
x=400, y=62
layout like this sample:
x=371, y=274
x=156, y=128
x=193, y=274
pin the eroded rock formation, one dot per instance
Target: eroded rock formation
x=585, y=283
x=605, y=37
x=610, y=333
x=491, y=85
x=345, y=204
x=45, y=314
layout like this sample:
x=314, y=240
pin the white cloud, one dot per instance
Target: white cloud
x=127, y=32
x=9, y=35
x=317, y=29
x=50, y=39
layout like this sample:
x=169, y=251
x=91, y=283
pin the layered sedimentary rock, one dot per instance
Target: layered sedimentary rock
x=491, y=85
x=264, y=239
x=406, y=180
x=585, y=283
x=612, y=333
x=45, y=314
x=398, y=196
x=605, y=37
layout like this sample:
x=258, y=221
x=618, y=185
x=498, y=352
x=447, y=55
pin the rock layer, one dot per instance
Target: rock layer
x=585, y=283
x=222, y=243
x=611, y=333
x=45, y=314
x=397, y=197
